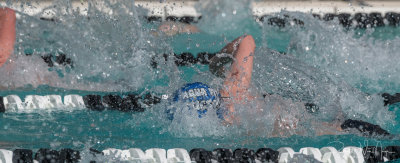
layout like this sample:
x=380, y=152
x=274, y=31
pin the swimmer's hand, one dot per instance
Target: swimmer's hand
x=391, y=99
x=365, y=128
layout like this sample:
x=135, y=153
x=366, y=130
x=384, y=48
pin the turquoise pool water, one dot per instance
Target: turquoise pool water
x=341, y=66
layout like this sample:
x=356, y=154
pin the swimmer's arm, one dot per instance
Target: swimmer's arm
x=7, y=33
x=238, y=80
x=173, y=28
x=242, y=66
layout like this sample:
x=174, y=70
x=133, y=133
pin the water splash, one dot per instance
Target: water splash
x=110, y=50
x=312, y=71
x=372, y=61
x=226, y=17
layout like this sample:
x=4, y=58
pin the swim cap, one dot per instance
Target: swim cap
x=199, y=97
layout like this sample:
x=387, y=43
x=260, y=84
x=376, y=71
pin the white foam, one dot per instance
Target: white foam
x=225, y=16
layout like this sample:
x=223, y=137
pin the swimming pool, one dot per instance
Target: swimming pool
x=324, y=63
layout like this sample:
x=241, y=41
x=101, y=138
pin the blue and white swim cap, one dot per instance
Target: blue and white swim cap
x=199, y=97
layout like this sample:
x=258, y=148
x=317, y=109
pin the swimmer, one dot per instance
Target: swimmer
x=236, y=87
x=236, y=92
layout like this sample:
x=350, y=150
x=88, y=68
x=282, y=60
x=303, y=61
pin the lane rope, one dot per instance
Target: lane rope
x=349, y=154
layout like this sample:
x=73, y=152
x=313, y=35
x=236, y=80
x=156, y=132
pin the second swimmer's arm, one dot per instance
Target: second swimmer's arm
x=7, y=33
x=173, y=28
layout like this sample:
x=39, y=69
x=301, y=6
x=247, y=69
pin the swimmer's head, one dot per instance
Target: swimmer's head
x=198, y=97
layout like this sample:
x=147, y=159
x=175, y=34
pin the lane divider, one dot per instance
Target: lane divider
x=126, y=103
x=357, y=20
x=183, y=59
x=188, y=12
x=133, y=103
x=178, y=155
